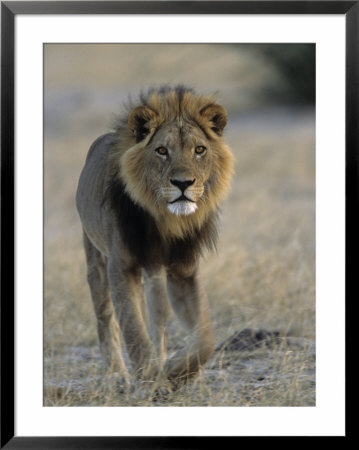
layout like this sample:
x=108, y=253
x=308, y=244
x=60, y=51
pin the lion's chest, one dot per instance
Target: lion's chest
x=142, y=238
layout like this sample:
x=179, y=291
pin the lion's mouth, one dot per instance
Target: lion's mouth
x=180, y=199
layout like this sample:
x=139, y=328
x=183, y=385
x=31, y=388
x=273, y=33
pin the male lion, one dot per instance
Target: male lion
x=148, y=200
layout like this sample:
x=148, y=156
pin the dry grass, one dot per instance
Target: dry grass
x=263, y=276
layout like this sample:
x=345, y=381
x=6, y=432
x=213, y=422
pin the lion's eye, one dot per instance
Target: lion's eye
x=200, y=150
x=162, y=151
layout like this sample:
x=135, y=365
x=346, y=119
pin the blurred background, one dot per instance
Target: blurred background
x=263, y=275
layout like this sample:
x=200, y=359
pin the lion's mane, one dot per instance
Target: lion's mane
x=151, y=233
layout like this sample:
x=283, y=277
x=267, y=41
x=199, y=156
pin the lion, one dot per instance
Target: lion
x=148, y=200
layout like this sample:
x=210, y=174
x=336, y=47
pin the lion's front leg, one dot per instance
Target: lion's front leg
x=158, y=309
x=189, y=301
x=127, y=295
x=107, y=326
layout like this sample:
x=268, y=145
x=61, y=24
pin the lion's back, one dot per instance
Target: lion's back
x=92, y=186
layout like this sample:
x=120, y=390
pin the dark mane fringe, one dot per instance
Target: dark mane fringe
x=165, y=89
x=141, y=236
x=120, y=121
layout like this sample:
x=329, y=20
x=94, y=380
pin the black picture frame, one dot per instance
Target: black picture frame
x=9, y=9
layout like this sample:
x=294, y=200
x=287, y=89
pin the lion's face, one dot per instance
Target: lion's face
x=179, y=161
x=177, y=164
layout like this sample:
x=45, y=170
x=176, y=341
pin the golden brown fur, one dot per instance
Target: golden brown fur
x=148, y=199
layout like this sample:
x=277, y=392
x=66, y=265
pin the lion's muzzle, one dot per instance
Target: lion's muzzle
x=182, y=196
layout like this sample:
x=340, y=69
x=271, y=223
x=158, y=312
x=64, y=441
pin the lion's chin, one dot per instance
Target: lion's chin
x=182, y=208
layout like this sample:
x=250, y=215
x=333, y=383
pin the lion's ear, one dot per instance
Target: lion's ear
x=217, y=117
x=139, y=121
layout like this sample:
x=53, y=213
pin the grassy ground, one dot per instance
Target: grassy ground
x=263, y=276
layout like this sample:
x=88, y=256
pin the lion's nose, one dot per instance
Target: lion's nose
x=182, y=184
